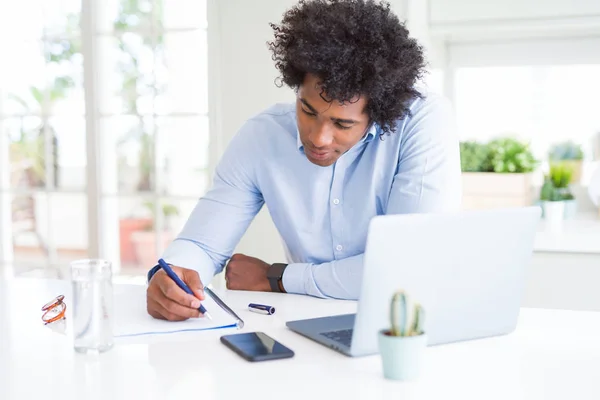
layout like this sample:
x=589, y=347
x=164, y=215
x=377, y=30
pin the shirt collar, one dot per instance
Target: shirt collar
x=371, y=132
x=369, y=135
x=298, y=141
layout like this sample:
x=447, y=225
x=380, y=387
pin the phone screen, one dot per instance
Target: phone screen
x=256, y=346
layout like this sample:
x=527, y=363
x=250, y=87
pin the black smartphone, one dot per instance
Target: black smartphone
x=256, y=346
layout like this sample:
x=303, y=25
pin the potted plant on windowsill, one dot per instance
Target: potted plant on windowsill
x=561, y=175
x=497, y=173
x=402, y=347
x=556, y=198
x=570, y=154
x=144, y=241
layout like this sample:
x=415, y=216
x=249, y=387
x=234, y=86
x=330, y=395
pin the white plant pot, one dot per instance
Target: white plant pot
x=402, y=356
x=594, y=186
x=570, y=209
x=554, y=214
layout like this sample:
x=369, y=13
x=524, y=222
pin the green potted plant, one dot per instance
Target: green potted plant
x=561, y=175
x=473, y=155
x=144, y=241
x=552, y=208
x=497, y=173
x=402, y=346
x=569, y=153
x=555, y=196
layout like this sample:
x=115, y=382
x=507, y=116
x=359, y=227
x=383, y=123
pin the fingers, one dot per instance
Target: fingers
x=166, y=300
x=246, y=273
x=192, y=279
x=232, y=270
x=173, y=292
x=237, y=257
x=228, y=274
x=231, y=280
x=179, y=311
x=159, y=312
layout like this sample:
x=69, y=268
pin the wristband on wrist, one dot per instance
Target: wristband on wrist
x=275, y=276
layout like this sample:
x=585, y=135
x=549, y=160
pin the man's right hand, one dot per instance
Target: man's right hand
x=166, y=300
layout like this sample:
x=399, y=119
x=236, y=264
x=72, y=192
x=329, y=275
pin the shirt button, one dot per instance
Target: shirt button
x=336, y=201
x=339, y=247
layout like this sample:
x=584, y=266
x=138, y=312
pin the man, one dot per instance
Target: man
x=360, y=141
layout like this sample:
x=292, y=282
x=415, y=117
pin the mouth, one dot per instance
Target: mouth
x=318, y=155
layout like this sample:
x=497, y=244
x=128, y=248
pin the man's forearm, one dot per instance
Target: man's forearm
x=340, y=279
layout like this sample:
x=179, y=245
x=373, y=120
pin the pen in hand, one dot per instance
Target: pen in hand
x=181, y=284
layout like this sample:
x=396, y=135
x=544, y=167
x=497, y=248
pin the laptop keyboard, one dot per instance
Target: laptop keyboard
x=343, y=336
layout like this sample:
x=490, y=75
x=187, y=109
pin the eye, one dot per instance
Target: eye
x=308, y=112
x=340, y=126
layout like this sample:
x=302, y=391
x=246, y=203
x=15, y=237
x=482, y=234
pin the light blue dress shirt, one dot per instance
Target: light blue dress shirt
x=321, y=213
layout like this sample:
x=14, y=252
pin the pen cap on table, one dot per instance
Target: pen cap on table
x=261, y=308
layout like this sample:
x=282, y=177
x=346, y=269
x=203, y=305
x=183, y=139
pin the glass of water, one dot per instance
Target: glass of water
x=92, y=305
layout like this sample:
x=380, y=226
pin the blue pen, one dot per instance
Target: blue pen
x=181, y=284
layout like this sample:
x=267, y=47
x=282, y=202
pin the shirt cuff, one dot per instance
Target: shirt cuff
x=294, y=278
x=186, y=254
x=152, y=272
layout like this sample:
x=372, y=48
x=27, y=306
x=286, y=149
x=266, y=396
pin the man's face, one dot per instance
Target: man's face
x=328, y=128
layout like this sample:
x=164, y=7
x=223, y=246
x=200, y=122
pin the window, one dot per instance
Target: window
x=42, y=127
x=433, y=81
x=542, y=104
x=152, y=125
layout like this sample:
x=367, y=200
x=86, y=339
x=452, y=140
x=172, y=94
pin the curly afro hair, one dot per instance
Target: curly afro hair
x=354, y=47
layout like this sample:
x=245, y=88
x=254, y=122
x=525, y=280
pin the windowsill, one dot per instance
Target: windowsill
x=578, y=235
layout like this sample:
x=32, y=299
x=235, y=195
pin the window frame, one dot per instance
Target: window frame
x=102, y=234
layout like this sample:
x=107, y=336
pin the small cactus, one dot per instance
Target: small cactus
x=399, y=316
x=418, y=320
x=398, y=313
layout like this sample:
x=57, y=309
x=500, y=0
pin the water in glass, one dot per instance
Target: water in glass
x=92, y=305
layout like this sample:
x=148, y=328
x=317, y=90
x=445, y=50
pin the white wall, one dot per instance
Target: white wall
x=245, y=87
x=476, y=20
x=456, y=11
x=534, y=51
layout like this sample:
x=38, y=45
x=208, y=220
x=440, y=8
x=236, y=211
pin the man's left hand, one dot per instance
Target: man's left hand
x=247, y=273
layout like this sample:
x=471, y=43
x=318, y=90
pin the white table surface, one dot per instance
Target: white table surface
x=552, y=355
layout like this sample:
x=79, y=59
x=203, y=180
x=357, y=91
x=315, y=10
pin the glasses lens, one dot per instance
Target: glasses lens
x=54, y=312
x=57, y=300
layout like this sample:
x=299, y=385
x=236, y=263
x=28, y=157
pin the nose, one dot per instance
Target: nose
x=321, y=137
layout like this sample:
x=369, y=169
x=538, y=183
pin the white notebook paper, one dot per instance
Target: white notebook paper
x=132, y=318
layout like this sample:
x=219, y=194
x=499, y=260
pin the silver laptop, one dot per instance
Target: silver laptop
x=467, y=269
